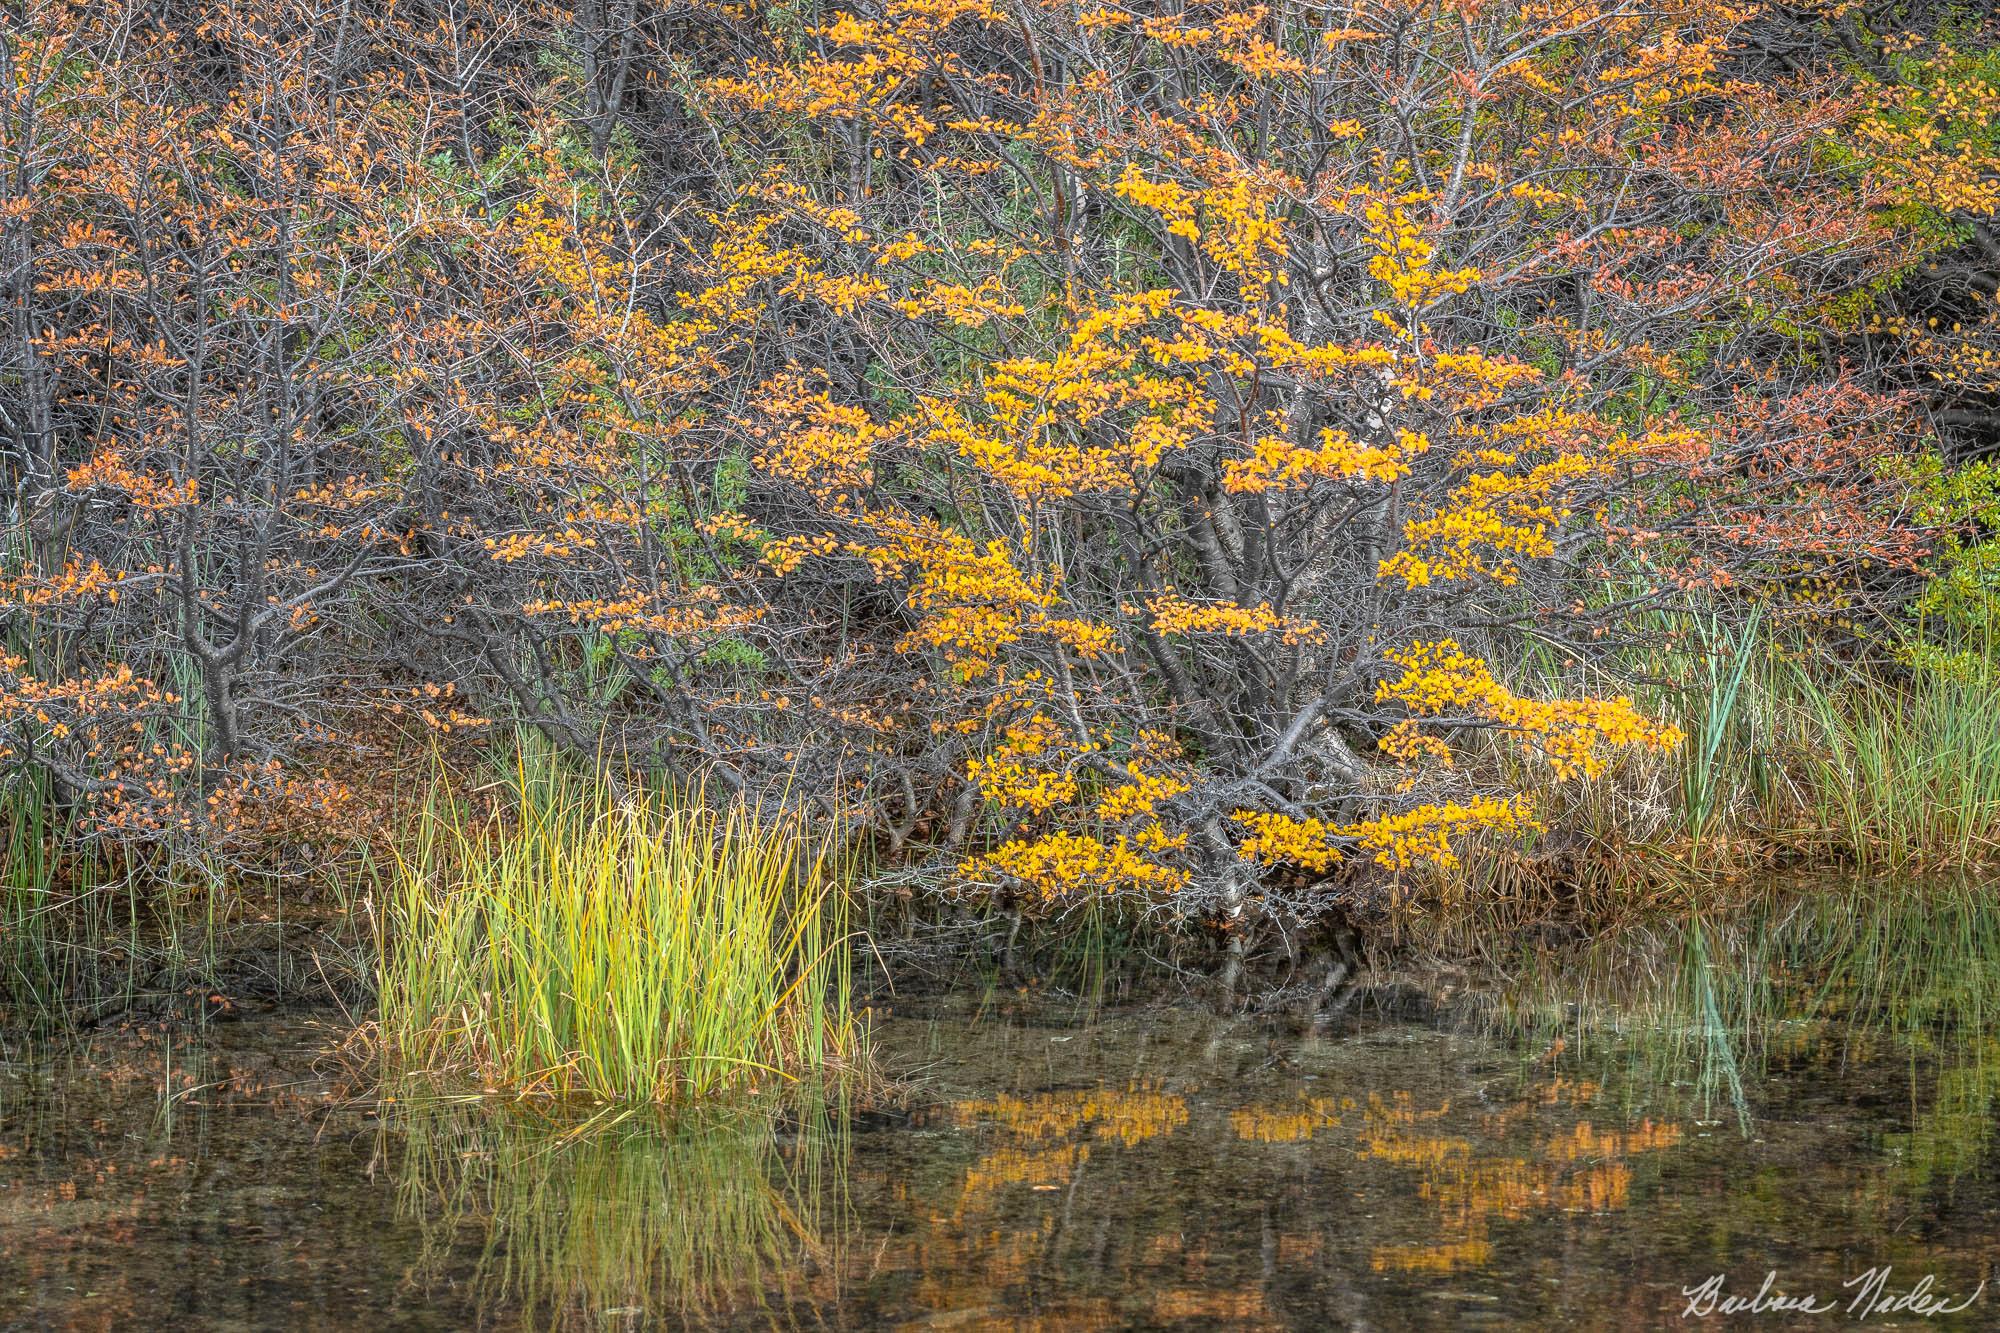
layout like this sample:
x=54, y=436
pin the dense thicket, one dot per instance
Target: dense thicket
x=1106, y=448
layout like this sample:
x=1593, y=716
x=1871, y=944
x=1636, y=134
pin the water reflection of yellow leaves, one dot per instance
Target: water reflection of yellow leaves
x=1511, y=1189
x=1388, y=1137
x=1400, y=1108
x=1427, y=1153
x=1582, y=1169
x=1586, y=1141
x=972, y=1279
x=1238, y=1308
x=1467, y=1185
x=1131, y=1115
x=1041, y=1141
x=1435, y=1258
x=1259, y=1124
x=957, y=1262
x=1558, y=1091
x=1080, y=1116
x=1040, y=1168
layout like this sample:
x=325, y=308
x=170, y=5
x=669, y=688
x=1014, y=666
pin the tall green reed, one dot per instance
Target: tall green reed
x=77, y=932
x=1910, y=772
x=644, y=945
x=1711, y=720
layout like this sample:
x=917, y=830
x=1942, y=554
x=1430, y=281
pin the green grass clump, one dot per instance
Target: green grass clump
x=1909, y=775
x=643, y=946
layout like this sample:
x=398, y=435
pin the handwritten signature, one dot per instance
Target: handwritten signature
x=1870, y=1291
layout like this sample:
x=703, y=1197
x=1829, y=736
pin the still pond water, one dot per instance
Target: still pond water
x=1487, y=1167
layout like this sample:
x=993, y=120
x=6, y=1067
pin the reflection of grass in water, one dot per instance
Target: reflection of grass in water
x=626, y=1216
x=1705, y=996
x=1707, y=1003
